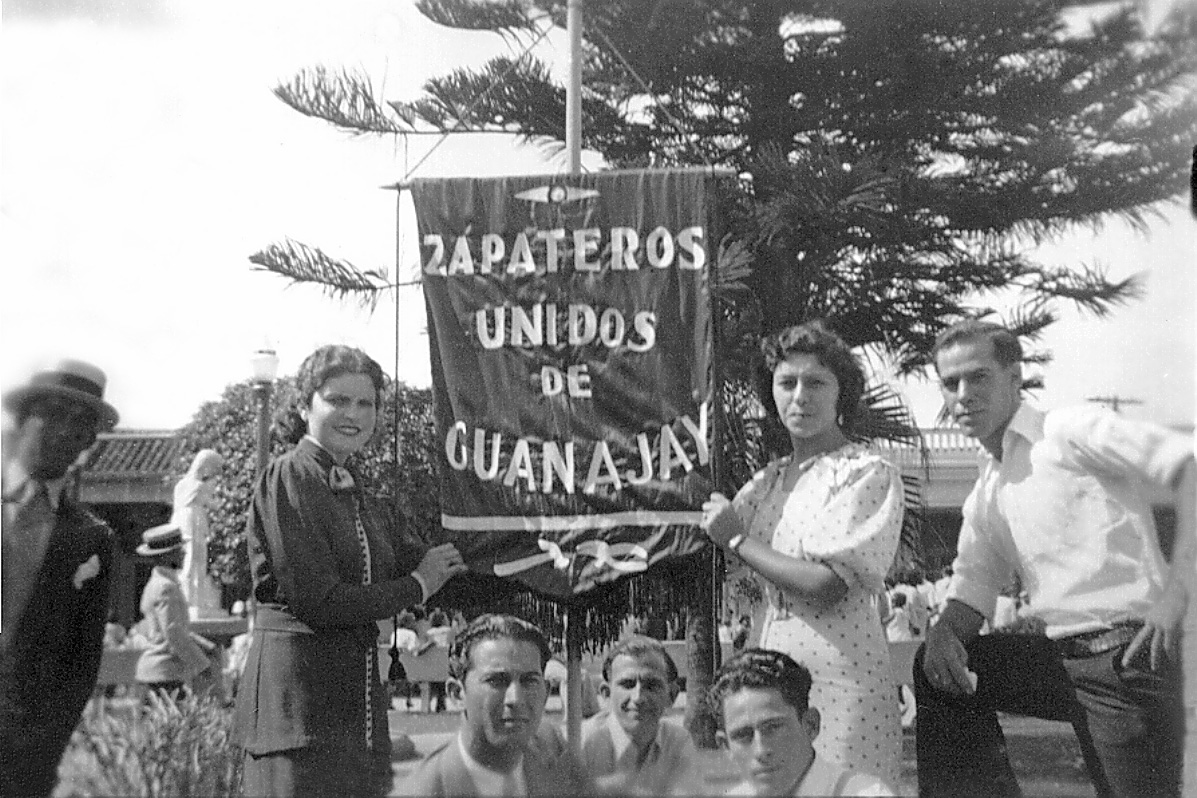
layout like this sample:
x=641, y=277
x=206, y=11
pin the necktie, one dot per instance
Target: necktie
x=28, y=522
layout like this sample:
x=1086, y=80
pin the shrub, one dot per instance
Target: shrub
x=163, y=749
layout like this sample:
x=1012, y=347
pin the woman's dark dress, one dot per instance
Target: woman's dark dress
x=311, y=711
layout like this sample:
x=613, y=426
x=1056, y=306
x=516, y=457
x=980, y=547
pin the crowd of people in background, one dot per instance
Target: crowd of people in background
x=1059, y=603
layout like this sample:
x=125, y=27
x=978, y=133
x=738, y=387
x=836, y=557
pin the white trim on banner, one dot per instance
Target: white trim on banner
x=564, y=523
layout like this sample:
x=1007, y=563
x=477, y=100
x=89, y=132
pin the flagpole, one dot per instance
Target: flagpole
x=573, y=145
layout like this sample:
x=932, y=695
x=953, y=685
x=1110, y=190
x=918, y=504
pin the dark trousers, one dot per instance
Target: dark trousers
x=1129, y=722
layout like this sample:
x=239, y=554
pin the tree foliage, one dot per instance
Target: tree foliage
x=229, y=426
x=898, y=158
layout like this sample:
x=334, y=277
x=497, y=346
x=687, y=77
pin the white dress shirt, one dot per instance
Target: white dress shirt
x=669, y=766
x=1068, y=508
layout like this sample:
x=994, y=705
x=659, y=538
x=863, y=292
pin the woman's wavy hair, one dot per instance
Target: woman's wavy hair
x=814, y=338
x=318, y=368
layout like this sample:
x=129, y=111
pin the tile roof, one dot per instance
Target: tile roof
x=134, y=453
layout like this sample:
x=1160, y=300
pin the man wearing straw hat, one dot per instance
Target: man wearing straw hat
x=173, y=657
x=54, y=572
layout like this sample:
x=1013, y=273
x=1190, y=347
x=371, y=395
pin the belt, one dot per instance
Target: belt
x=274, y=619
x=1089, y=644
x=270, y=619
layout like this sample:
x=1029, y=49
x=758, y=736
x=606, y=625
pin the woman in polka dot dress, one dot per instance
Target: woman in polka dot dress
x=821, y=526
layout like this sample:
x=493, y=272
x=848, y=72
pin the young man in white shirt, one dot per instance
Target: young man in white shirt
x=761, y=704
x=1061, y=502
x=627, y=748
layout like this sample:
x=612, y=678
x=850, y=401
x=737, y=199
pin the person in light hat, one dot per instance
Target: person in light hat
x=173, y=657
x=54, y=572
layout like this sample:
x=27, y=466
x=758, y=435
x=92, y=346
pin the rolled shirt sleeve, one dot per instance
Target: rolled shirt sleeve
x=981, y=570
x=1107, y=442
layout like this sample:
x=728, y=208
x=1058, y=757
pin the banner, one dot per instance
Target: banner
x=570, y=328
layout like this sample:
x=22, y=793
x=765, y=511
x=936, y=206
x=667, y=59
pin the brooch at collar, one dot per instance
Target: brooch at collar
x=340, y=478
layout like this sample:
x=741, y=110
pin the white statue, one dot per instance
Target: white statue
x=194, y=494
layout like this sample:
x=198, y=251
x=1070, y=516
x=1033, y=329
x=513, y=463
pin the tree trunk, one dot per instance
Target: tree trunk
x=700, y=656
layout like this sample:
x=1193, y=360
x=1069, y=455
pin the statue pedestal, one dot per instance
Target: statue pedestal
x=201, y=591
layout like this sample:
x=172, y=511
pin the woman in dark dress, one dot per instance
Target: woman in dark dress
x=311, y=711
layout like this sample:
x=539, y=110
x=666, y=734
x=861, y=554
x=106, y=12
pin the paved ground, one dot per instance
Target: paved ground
x=1045, y=754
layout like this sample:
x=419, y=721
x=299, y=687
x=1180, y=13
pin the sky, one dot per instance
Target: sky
x=143, y=159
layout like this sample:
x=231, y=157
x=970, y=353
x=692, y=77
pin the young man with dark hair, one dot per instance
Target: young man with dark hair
x=501, y=747
x=760, y=702
x=627, y=748
x=1061, y=502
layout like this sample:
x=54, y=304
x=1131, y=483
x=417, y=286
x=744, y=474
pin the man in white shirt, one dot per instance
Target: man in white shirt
x=761, y=703
x=1061, y=503
x=628, y=748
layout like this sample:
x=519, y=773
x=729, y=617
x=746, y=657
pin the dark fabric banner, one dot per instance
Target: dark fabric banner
x=570, y=327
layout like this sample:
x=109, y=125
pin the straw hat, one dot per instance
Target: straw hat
x=161, y=539
x=70, y=379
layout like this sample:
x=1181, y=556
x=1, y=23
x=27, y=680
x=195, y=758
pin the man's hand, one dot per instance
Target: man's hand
x=1161, y=630
x=720, y=520
x=945, y=662
x=440, y=563
x=1162, y=626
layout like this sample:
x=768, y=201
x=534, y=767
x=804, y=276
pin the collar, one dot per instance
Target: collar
x=480, y=773
x=167, y=573
x=1026, y=423
x=309, y=438
x=15, y=475
x=621, y=742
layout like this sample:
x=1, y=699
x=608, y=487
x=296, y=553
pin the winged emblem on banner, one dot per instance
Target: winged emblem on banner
x=559, y=205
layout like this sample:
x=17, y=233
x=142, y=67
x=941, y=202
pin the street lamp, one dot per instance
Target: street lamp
x=264, y=366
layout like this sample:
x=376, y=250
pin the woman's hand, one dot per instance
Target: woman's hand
x=440, y=564
x=720, y=520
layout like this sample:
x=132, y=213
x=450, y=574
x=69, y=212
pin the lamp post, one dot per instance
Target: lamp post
x=264, y=365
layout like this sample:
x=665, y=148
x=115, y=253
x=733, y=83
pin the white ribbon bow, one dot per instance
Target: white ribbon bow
x=623, y=557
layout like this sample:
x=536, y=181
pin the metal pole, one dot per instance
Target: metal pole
x=573, y=90
x=573, y=144
x=262, y=391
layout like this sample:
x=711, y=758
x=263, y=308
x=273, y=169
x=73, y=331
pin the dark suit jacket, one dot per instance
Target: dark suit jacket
x=549, y=769
x=49, y=662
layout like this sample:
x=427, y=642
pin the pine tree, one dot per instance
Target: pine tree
x=899, y=158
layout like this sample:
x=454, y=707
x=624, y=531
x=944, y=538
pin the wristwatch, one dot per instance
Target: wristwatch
x=735, y=542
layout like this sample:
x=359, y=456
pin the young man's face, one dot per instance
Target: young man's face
x=979, y=392
x=504, y=693
x=51, y=435
x=771, y=744
x=639, y=694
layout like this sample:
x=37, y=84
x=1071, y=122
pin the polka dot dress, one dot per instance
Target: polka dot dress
x=845, y=511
